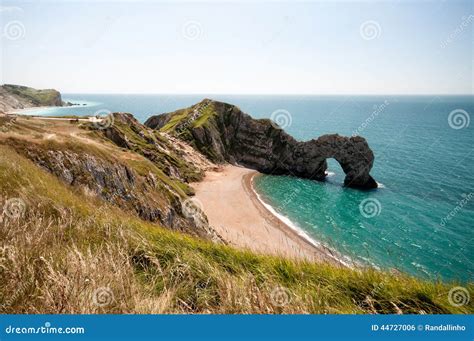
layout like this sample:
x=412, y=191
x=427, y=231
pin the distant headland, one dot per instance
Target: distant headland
x=17, y=97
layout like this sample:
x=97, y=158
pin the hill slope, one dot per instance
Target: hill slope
x=77, y=235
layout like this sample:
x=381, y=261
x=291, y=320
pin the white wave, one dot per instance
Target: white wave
x=345, y=260
x=420, y=267
x=370, y=262
x=380, y=185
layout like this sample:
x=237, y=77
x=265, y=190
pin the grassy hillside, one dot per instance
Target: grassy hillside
x=67, y=246
x=72, y=252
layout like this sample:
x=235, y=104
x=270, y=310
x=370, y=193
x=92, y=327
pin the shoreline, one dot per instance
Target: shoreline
x=290, y=226
x=26, y=111
x=236, y=212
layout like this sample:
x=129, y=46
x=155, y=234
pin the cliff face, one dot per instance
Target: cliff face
x=20, y=97
x=225, y=134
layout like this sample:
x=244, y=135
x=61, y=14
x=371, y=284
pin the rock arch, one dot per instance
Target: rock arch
x=352, y=153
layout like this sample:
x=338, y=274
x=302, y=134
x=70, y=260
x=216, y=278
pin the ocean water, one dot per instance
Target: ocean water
x=421, y=219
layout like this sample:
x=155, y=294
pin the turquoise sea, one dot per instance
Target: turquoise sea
x=420, y=221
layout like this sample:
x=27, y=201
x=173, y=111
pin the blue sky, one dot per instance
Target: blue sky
x=389, y=47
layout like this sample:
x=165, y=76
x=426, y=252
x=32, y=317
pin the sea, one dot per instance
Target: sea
x=419, y=221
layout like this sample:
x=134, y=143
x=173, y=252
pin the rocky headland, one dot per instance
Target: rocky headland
x=14, y=97
x=224, y=133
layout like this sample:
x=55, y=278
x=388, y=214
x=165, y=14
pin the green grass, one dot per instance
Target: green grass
x=145, y=167
x=206, y=113
x=68, y=245
x=175, y=120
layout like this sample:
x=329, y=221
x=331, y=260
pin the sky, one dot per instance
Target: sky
x=284, y=47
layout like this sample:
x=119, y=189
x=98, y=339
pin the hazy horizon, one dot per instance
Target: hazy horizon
x=240, y=48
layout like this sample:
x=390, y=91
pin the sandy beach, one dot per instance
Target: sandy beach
x=26, y=111
x=31, y=110
x=236, y=213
